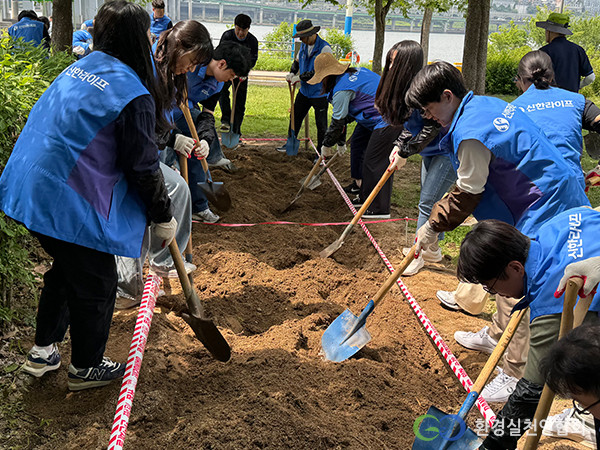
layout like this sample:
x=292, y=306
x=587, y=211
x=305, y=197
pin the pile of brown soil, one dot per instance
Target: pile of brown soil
x=273, y=297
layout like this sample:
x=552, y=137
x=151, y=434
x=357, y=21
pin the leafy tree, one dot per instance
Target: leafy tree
x=475, y=47
x=508, y=37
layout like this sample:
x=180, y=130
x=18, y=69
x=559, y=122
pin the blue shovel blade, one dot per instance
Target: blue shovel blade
x=332, y=341
x=292, y=145
x=437, y=430
x=230, y=139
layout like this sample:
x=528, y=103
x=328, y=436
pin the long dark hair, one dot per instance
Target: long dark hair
x=187, y=36
x=402, y=63
x=121, y=30
x=329, y=81
x=536, y=67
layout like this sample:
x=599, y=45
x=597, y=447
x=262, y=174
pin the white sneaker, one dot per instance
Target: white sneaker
x=123, y=302
x=476, y=341
x=414, y=267
x=500, y=388
x=570, y=425
x=447, y=299
x=429, y=255
x=206, y=216
x=172, y=273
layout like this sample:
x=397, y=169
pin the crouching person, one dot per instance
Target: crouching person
x=507, y=262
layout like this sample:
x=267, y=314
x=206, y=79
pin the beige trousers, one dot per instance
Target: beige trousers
x=472, y=298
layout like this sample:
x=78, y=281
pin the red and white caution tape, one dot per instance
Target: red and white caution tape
x=306, y=224
x=459, y=371
x=134, y=362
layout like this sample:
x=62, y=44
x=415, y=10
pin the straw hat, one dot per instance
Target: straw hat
x=305, y=28
x=326, y=64
x=557, y=23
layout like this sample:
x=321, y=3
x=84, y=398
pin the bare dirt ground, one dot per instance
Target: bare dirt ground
x=272, y=297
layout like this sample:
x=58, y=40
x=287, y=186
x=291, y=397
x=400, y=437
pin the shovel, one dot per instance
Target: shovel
x=347, y=334
x=292, y=144
x=335, y=246
x=204, y=329
x=315, y=182
x=305, y=184
x=183, y=166
x=567, y=321
x=438, y=430
x=215, y=191
x=231, y=139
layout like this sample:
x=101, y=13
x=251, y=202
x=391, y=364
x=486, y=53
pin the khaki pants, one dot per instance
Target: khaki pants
x=472, y=298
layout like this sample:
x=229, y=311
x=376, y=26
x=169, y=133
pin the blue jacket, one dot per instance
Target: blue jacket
x=569, y=237
x=307, y=64
x=529, y=181
x=414, y=124
x=83, y=39
x=364, y=84
x=558, y=113
x=200, y=87
x=63, y=177
x=159, y=25
x=28, y=29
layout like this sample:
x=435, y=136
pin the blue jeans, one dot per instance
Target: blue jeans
x=437, y=176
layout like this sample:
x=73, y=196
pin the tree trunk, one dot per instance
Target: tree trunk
x=379, y=36
x=425, y=30
x=475, y=49
x=62, y=24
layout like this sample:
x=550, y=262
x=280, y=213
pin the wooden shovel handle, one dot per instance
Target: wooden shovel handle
x=234, y=90
x=545, y=403
x=592, y=181
x=312, y=172
x=186, y=285
x=183, y=166
x=292, y=92
x=387, y=174
x=393, y=278
x=190, y=123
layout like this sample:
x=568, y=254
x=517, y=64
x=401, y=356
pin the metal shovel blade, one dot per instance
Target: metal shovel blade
x=216, y=194
x=292, y=144
x=346, y=335
x=314, y=183
x=332, y=248
x=210, y=336
x=230, y=139
x=433, y=433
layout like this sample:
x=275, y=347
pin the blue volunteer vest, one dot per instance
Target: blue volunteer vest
x=157, y=26
x=569, y=237
x=200, y=87
x=62, y=178
x=364, y=83
x=558, y=113
x=307, y=63
x=28, y=29
x=529, y=181
x=83, y=39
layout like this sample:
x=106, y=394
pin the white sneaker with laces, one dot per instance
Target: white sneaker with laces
x=206, y=216
x=429, y=255
x=172, y=273
x=414, y=267
x=447, y=299
x=220, y=163
x=500, y=388
x=476, y=341
x=570, y=425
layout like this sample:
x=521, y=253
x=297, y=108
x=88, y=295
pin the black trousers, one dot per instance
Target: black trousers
x=79, y=290
x=375, y=162
x=302, y=105
x=240, y=105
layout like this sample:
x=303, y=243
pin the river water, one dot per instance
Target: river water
x=447, y=47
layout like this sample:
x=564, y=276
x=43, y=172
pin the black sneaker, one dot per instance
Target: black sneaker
x=352, y=188
x=40, y=361
x=225, y=127
x=281, y=149
x=91, y=377
x=371, y=215
x=357, y=202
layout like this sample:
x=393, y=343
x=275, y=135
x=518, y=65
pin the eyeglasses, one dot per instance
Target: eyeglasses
x=516, y=78
x=584, y=410
x=490, y=289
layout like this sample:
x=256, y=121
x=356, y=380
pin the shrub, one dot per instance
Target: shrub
x=501, y=70
x=341, y=43
x=276, y=64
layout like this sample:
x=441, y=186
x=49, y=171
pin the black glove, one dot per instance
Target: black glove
x=295, y=67
x=307, y=75
x=205, y=125
x=410, y=145
x=334, y=132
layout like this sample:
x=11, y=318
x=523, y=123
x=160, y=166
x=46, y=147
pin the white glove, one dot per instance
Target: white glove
x=341, y=149
x=426, y=237
x=79, y=50
x=164, y=231
x=588, y=269
x=91, y=46
x=201, y=150
x=292, y=78
x=326, y=152
x=396, y=161
x=184, y=145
